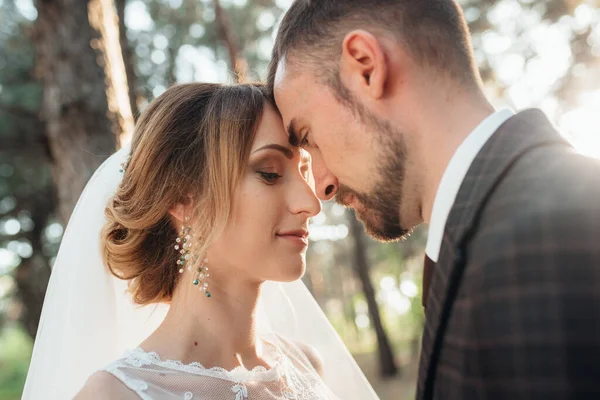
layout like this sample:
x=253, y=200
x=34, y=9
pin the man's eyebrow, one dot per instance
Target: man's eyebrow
x=293, y=134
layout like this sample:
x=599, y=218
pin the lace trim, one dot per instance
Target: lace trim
x=301, y=386
x=240, y=390
x=138, y=386
x=140, y=358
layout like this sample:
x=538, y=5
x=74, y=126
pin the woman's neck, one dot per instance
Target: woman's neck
x=216, y=331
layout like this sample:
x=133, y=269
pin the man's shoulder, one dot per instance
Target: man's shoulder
x=551, y=254
x=549, y=191
x=549, y=228
x=547, y=205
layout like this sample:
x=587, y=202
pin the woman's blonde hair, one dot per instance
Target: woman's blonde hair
x=193, y=142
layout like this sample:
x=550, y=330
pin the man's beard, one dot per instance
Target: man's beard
x=379, y=209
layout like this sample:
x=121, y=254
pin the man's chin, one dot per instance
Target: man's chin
x=380, y=228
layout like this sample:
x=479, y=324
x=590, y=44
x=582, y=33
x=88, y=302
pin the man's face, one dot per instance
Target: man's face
x=357, y=157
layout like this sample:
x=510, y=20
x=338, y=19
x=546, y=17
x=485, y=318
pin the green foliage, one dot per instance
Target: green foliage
x=26, y=187
x=15, y=351
x=190, y=29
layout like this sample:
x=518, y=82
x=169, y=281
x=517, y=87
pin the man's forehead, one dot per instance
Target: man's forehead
x=290, y=76
x=280, y=72
x=287, y=93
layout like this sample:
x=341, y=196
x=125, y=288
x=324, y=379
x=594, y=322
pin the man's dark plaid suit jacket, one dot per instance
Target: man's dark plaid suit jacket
x=513, y=306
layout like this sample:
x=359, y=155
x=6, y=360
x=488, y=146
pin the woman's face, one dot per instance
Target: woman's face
x=267, y=236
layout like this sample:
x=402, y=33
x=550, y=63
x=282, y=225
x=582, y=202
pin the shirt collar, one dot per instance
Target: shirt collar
x=455, y=174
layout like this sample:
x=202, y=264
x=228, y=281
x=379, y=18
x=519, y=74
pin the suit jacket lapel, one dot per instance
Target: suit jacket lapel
x=521, y=133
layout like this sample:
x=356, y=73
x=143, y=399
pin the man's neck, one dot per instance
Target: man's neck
x=444, y=128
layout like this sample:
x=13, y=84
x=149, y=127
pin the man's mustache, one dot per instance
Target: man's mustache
x=343, y=194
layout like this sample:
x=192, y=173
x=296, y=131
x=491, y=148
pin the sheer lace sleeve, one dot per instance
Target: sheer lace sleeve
x=291, y=377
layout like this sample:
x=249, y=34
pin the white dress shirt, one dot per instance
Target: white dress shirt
x=455, y=174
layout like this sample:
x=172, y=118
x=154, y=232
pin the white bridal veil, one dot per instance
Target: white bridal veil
x=88, y=320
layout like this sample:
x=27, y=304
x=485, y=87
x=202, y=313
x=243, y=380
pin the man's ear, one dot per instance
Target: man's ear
x=363, y=65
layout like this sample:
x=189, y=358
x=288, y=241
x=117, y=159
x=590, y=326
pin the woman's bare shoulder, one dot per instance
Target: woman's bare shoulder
x=103, y=385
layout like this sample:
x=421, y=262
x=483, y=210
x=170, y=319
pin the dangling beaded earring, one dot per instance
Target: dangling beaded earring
x=184, y=244
x=125, y=164
x=201, y=279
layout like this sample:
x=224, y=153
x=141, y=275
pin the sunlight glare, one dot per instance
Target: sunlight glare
x=265, y=21
x=581, y=127
x=158, y=56
x=283, y=4
x=54, y=232
x=387, y=283
x=12, y=227
x=409, y=289
x=27, y=9
x=362, y=321
x=7, y=260
x=137, y=16
x=399, y=303
x=584, y=16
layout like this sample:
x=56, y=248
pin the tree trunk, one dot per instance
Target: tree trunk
x=128, y=58
x=31, y=276
x=103, y=18
x=387, y=363
x=237, y=63
x=80, y=128
x=171, y=77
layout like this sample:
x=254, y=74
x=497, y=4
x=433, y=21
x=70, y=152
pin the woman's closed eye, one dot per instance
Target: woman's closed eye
x=269, y=177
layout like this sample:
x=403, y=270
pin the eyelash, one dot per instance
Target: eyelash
x=270, y=178
x=304, y=141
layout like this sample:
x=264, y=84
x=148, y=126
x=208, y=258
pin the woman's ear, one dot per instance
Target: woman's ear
x=182, y=209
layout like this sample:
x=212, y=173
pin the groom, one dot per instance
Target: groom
x=387, y=98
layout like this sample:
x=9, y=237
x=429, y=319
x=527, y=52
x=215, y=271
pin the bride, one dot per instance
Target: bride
x=194, y=291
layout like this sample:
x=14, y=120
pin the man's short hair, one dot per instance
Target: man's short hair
x=434, y=32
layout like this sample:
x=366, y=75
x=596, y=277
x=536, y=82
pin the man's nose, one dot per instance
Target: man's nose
x=326, y=184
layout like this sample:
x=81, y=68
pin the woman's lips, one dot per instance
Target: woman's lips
x=297, y=236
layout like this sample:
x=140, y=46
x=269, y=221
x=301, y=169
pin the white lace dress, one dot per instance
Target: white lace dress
x=291, y=377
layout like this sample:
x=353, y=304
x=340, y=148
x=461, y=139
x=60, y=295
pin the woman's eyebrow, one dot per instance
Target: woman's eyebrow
x=288, y=153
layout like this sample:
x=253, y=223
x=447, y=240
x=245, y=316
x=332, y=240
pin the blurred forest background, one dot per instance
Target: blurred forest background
x=75, y=73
